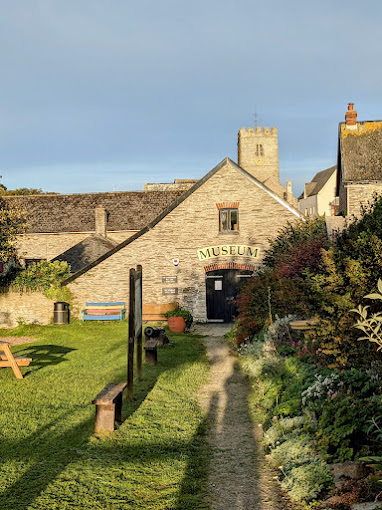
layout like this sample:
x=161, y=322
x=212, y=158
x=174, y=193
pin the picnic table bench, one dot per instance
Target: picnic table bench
x=7, y=359
x=108, y=404
x=104, y=312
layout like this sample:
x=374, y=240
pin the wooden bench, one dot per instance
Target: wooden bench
x=104, y=312
x=151, y=351
x=108, y=404
x=8, y=360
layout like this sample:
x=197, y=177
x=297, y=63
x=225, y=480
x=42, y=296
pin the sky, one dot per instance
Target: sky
x=107, y=95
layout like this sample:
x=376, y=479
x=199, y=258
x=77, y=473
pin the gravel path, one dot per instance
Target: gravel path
x=239, y=479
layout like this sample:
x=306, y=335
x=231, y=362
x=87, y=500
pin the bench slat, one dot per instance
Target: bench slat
x=106, y=304
x=101, y=317
x=101, y=312
x=109, y=393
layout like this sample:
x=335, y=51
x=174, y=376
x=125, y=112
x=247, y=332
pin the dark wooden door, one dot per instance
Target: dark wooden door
x=222, y=287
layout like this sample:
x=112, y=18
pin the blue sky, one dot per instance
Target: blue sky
x=99, y=95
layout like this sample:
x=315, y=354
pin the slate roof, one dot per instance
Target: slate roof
x=318, y=182
x=86, y=252
x=175, y=204
x=127, y=210
x=360, y=151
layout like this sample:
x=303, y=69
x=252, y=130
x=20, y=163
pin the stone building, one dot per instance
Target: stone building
x=319, y=195
x=359, y=162
x=81, y=227
x=196, y=241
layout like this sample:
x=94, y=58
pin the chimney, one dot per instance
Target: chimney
x=289, y=192
x=100, y=220
x=351, y=117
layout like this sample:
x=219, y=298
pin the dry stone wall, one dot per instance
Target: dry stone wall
x=28, y=308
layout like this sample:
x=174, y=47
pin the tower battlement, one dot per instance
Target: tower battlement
x=245, y=133
x=258, y=153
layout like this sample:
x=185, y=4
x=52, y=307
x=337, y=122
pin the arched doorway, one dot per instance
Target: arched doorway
x=222, y=286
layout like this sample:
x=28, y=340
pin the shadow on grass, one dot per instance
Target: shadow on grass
x=48, y=453
x=193, y=491
x=44, y=355
x=166, y=361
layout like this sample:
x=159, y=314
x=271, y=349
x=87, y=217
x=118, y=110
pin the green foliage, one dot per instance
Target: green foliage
x=4, y=191
x=312, y=413
x=349, y=270
x=288, y=250
x=281, y=430
x=275, y=400
x=308, y=481
x=370, y=326
x=44, y=276
x=281, y=286
x=181, y=312
x=308, y=276
x=12, y=222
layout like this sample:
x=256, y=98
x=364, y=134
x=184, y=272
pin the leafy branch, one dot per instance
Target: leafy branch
x=370, y=325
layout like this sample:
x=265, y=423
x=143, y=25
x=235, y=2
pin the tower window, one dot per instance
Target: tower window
x=259, y=150
x=229, y=220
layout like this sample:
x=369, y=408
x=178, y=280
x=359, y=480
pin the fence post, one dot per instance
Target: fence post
x=135, y=328
x=131, y=337
x=138, y=319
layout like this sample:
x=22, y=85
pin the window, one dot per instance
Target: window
x=259, y=150
x=30, y=262
x=228, y=220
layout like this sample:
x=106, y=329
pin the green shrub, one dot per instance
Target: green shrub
x=45, y=277
x=291, y=453
x=309, y=481
x=281, y=286
x=281, y=429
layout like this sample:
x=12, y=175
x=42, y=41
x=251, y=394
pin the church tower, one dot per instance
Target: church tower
x=258, y=153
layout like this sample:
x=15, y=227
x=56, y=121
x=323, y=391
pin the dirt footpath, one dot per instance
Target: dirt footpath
x=238, y=479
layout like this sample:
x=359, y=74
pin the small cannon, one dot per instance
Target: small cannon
x=156, y=333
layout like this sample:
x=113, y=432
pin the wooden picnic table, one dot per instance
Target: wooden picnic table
x=7, y=359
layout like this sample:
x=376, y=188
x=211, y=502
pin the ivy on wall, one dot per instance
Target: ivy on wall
x=44, y=277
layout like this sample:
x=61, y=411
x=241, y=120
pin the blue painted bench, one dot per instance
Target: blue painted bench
x=104, y=312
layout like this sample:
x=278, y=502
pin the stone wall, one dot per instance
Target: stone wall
x=47, y=246
x=192, y=225
x=359, y=195
x=29, y=308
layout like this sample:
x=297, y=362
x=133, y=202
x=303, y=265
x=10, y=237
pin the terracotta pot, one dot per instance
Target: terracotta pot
x=176, y=324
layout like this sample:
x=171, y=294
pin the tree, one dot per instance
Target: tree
x=4, y=191
x=12, y=222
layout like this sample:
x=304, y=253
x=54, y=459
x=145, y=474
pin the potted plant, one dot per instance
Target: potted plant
x=179, y=320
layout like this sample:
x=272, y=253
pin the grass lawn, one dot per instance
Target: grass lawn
x=50, y=459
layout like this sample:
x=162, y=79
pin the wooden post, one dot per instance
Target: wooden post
x=138, y=320
x=130, y=347
x=135, y=328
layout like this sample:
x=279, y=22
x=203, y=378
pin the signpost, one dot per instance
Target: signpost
x=135, y=328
